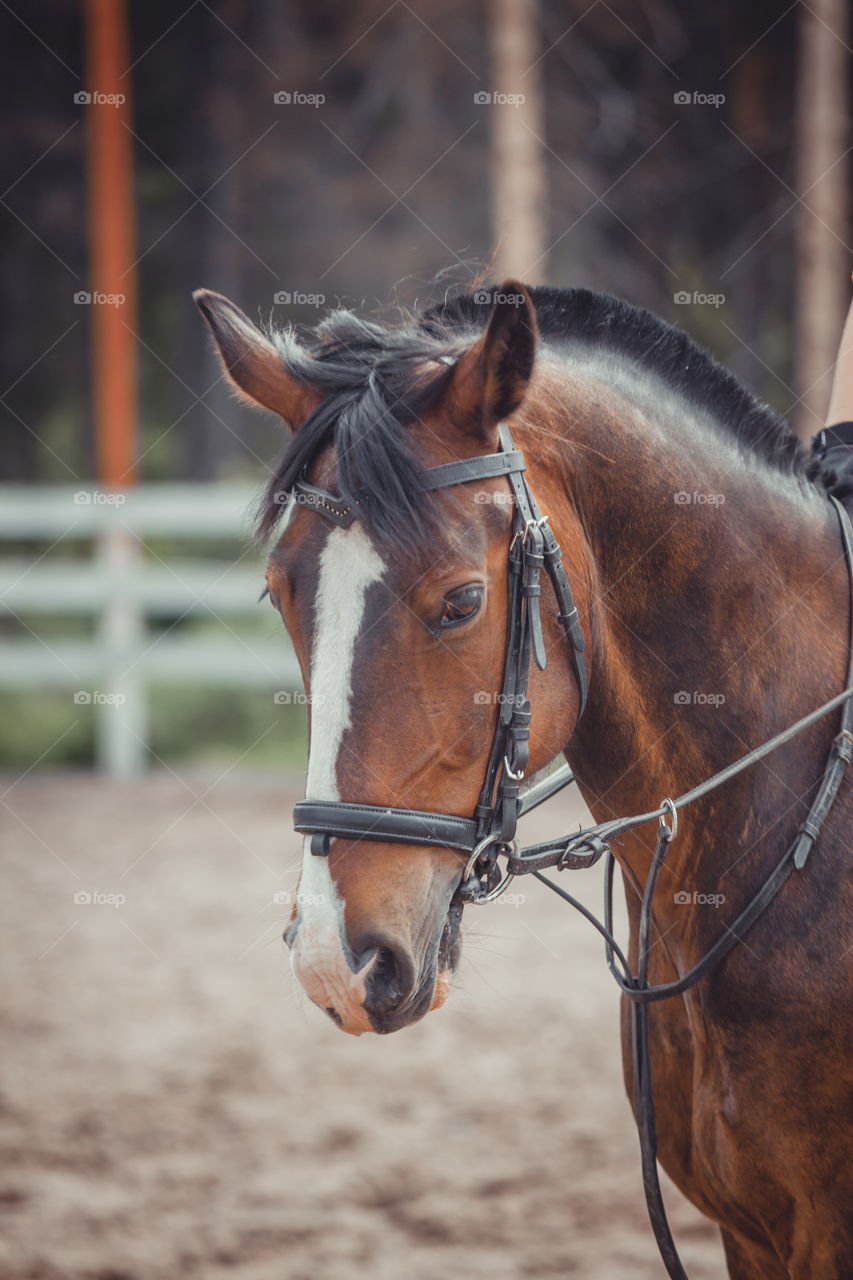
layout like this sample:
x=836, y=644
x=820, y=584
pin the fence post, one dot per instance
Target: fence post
x=121, y=727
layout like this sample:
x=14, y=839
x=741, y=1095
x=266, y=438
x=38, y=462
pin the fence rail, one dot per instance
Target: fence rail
x=122, y=586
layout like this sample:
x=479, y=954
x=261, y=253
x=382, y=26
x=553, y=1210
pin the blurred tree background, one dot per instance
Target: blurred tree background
x=372, y=184
x=381, y=188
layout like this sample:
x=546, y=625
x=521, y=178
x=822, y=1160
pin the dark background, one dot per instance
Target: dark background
x=248, y=197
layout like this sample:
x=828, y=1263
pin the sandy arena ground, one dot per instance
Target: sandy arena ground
x=172, y=1106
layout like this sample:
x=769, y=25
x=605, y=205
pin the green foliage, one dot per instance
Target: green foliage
x=194, y=725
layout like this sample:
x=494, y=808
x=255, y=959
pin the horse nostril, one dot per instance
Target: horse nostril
x=386, y=975
x=390, y=977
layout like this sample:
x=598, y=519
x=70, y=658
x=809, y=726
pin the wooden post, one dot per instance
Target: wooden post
x=518, y=168
x=823, y=262
x=121, y=721
x=111, y=242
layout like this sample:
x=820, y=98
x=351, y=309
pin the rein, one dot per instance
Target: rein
x=490, y=833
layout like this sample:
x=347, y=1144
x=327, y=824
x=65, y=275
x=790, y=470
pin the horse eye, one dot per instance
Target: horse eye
x=461, y=606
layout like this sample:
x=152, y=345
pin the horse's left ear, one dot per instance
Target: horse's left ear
x=490, y=380
x=252, y=364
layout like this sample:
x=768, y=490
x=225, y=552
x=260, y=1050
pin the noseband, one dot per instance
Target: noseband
x=491, y=829
x=490, y=833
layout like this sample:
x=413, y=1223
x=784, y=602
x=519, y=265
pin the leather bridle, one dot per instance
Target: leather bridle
x=491, y=829
x=490, y=832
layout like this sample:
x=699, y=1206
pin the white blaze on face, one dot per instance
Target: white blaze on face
x=349, y=566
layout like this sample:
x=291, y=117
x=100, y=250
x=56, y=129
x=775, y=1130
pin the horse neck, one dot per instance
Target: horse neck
x=713, y=622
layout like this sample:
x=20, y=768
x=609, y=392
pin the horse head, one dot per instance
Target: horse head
x=399, y=617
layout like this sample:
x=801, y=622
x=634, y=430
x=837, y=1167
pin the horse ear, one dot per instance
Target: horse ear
x=251, y=362
x=491, y=379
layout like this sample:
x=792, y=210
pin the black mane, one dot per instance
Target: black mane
x=371, y=377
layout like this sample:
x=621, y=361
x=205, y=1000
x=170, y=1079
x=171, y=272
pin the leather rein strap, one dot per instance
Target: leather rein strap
x=491, y=831
x=636, y=987
x=532, y=547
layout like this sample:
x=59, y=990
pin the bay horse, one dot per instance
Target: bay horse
x=702, y=551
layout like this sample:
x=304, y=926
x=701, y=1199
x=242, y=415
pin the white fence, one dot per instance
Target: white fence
x=123, y=586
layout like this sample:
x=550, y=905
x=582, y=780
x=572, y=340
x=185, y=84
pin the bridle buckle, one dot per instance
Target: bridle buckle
x=512, y=773
x=509, y=848
x=522, y=535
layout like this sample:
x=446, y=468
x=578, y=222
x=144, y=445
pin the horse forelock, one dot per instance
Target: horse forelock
x=376, y=382
x=377, y=379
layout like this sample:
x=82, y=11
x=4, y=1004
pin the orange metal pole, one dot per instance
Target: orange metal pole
x=111, y=242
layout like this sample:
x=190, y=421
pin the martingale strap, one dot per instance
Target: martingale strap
x=636, y=987
x=533, y=547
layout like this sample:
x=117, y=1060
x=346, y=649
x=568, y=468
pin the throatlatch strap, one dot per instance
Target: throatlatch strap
x=526, y=504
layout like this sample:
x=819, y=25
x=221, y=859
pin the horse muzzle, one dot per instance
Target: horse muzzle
x=379, y=985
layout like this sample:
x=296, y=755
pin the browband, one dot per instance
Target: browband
x=485, y=467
